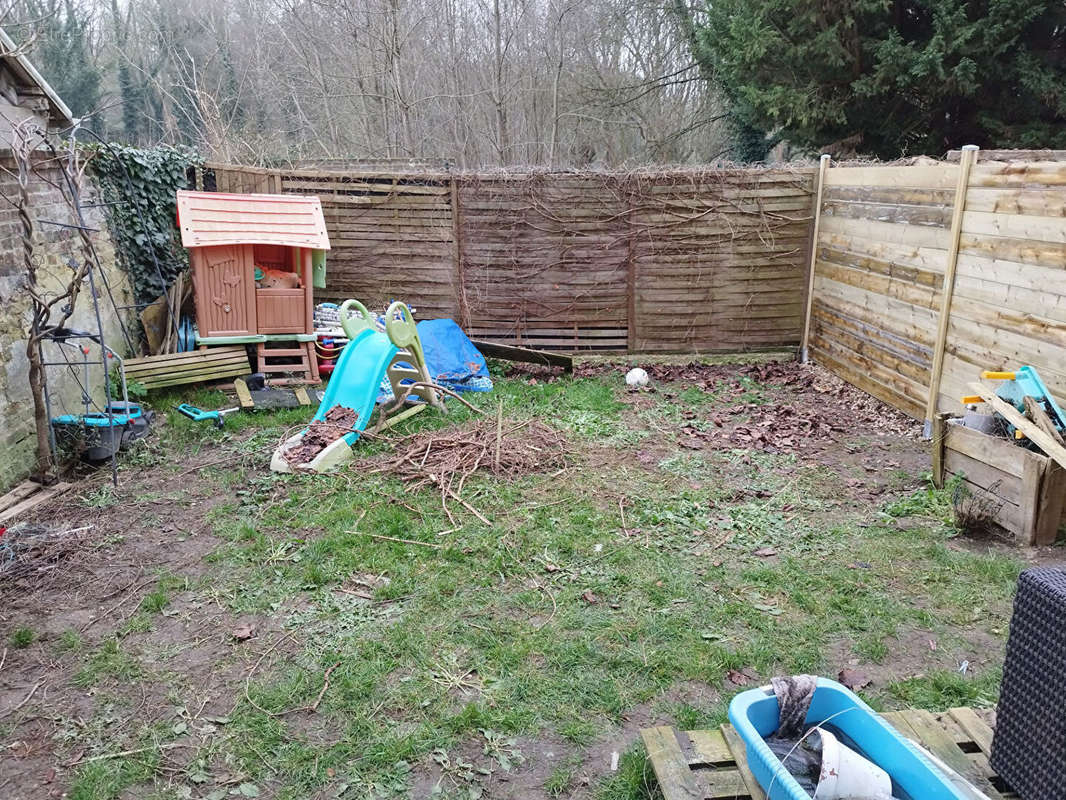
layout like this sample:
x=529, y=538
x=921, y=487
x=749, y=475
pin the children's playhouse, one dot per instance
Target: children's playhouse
x=255, y=260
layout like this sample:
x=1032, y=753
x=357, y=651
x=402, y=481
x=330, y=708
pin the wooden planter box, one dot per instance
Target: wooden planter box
x=1031, y=487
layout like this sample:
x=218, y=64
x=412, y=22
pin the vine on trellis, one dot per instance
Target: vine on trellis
x=138, y=185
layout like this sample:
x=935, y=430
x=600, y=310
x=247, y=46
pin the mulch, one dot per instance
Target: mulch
x=321, y=434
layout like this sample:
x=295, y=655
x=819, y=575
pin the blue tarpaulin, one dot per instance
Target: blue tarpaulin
x=451, y=358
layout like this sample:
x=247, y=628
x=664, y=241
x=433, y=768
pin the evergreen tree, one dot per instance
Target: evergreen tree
x=894, y=77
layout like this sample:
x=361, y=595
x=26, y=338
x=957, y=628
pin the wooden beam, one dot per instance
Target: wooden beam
x=969, y=156
x=1018, y=420
x=823, y=165
x=1040, y=418
x=508, y=352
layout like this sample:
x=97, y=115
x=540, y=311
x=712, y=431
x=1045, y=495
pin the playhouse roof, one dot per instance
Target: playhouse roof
x=215, y=218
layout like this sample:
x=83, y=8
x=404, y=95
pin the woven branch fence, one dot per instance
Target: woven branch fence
x=647, y=261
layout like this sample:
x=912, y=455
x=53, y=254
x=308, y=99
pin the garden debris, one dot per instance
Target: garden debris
x=854, y=679
x=243, y=633
x=446, y=459
x=29, y=550
x=321, y=433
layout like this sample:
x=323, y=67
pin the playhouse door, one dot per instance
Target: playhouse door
x=225, y=291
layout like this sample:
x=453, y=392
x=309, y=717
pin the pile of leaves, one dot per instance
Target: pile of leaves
x=321, y=434
x=499, y=446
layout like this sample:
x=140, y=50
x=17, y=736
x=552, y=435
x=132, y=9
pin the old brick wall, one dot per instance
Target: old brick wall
x=54, y=247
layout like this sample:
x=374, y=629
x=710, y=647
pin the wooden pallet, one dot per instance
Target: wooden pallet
x=712, y=764
x=209, y=364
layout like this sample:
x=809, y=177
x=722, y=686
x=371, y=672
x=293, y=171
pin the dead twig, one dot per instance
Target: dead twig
x=25, y=699
x=397, y=539
x=325, y=686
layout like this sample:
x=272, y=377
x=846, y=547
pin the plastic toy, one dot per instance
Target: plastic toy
x=369, y=356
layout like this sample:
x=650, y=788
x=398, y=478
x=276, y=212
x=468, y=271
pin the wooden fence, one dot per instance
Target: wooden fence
x=679, y=261
x=927, y=275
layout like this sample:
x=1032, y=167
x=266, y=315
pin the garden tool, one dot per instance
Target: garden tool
x=198, y=414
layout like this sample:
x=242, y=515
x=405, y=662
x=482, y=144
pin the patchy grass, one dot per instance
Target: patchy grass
x=579, y=615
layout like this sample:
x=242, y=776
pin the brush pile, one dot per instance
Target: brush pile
x=31, y=551
x=495, y=445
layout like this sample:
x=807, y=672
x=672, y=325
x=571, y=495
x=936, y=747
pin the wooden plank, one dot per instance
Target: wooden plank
x=1051, y=504
x=740, y=754
x=1035, y=411
x=709, y=748
x=823, y=167
x=670, y=765
x=34, y=500
x=1015, y=417
x=1029, y=502
x=1002, y=454
x=243, y=395
x=975, y=727
x=933, y=177
x=969, y=155
x=939, y=436
x=932, y=735
x=512, y=353
x=1001, y=484
x=912, y=235
x=18, y=494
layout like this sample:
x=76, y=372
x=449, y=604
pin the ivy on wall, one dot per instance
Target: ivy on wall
x=138, y=185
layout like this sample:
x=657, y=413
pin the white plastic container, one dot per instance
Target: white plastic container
x=848, y=776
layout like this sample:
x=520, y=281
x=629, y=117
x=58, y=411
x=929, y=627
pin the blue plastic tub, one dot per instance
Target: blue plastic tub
x=754, y=715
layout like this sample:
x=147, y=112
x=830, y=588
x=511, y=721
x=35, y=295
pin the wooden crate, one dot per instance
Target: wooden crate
x=712, y=764
x=1029, y=488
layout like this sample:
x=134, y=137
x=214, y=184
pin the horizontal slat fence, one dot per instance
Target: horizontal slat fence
x=882, y=254
x=668, y=261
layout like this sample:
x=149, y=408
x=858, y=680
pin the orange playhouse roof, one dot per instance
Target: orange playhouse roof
x=214, y=218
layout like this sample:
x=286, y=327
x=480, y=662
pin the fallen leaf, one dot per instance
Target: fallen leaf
x=765, y=552
x=854, y=679
x=738, y=678
x=248, y=790
x=589, y=597
x=243, y=633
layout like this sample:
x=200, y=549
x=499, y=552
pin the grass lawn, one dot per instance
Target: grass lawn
x=229, y=632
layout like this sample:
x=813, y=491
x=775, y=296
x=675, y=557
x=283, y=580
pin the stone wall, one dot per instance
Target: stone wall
x=55, y=246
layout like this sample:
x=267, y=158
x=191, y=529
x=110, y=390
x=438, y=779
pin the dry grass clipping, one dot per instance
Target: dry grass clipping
x=976, y=514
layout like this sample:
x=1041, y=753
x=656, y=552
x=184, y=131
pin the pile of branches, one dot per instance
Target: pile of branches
x=495, y=445
x=30, y=551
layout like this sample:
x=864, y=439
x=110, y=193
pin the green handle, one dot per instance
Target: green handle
x=353, y=326
x=400, y=325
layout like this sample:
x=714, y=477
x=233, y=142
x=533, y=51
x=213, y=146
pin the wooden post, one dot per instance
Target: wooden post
x=631, y=280
x=457, y=259
x=969, y=156
x=823, y=165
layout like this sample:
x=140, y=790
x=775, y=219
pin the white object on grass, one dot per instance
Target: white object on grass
x=636, y=377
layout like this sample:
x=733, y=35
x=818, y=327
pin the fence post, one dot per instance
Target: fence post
x=457, y=259
x=823, y=165
x=966, y=162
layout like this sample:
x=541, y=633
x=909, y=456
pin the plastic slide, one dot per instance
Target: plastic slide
x=369, y=356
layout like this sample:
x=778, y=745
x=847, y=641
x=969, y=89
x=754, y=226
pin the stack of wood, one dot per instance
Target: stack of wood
x=162, y=318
